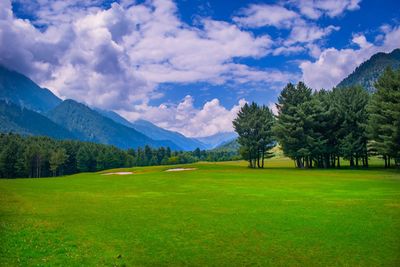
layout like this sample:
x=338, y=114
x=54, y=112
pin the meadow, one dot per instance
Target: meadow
x=220, y=214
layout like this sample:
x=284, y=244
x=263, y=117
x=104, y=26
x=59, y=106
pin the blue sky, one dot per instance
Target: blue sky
x=189, y=65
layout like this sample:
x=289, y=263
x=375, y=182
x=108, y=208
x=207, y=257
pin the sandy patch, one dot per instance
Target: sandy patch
x=118, y=173
x=180, y=169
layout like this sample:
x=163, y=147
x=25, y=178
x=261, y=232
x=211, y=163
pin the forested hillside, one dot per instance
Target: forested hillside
x=16, y=119
x=368, y=72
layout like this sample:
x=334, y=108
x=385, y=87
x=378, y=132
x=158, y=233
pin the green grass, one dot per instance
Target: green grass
x=221, y=214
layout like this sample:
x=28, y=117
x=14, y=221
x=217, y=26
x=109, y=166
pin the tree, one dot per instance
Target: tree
x=254, y=127
x=290, y=128
x=384, y=119
x=86, y=160
x=57, y=159
x=353, y=103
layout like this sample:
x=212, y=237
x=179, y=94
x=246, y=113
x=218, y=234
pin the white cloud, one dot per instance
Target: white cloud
x=308, y=33
x=115, y=58
x=255, y=16
x=120, y=55
x=314, y=9
x=301, y=29
x=211, y=118
x=333, y=64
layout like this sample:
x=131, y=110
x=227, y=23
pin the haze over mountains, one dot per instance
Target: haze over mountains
x=28, y=109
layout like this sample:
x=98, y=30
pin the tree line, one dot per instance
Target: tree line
x=33, y=156
x=319, y=128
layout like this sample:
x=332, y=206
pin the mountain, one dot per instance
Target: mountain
x=89, y=125
x=215, y=140
x=231, y=146
x=16, y=119
x=114, y=116
x=81, y=122
x=158, y=133
x=155, y=132
x=368, y=72
x=22, y=91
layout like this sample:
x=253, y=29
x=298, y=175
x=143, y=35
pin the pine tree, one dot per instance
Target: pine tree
x=57, y=159
x=290, y=126
x=254, y=127
x=384, y=119
x=352, y=104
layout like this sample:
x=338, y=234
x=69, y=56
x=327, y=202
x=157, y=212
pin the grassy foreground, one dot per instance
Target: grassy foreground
x=221, y=214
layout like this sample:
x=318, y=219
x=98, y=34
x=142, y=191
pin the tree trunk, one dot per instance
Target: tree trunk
x=37, y=166
x=351, y=161
x=299, y=163
x=263, y=153
x=338, y=161
x=385, y=158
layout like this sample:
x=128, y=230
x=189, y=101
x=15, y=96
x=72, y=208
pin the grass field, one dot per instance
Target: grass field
x=221, y=214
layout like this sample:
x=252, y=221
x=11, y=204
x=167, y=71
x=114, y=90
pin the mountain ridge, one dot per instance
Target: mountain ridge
x=17, y=119
x=154, y=132
x=21, y=90
x=89, y=125
x=367, y=73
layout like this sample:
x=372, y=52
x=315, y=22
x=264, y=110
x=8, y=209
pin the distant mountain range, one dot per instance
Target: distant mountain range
x=368, y=72
x=231, y=146
x=157, y=133
x=28, y=109
x=89, y=125
x=218, y=139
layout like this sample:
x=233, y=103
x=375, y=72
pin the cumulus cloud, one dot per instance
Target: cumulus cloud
x=115, y=58
x=301, y=29
x=314, y=9
x=306, y=33
x=333, y=64
x=255, y=16
x=210, y=119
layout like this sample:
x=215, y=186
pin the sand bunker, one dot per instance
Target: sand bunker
x=118, y=173
x=180, y=169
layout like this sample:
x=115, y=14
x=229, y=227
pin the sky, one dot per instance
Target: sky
x=189, y=65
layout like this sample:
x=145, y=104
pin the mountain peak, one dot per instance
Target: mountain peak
x=21, y=90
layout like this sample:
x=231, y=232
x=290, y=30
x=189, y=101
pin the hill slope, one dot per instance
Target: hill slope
x=22, y=91
x=89, y=125
x=16, y=119
x=368, y=72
